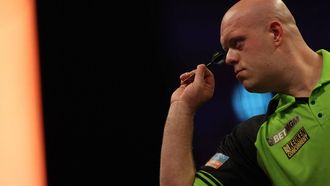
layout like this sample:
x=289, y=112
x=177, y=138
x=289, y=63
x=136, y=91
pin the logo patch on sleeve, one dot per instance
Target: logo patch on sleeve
x=217, y=160
x=292, y=147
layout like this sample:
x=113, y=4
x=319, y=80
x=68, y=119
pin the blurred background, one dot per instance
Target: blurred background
x=108, y=70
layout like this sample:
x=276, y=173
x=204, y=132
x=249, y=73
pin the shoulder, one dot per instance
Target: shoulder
x=237, y=158
x=249, y=128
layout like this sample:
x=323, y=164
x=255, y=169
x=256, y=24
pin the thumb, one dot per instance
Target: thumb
x=200, y=73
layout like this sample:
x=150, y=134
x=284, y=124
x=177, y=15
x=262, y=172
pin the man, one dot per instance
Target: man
x=285, y=147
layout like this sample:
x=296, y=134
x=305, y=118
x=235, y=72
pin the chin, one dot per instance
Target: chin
x=250, y=87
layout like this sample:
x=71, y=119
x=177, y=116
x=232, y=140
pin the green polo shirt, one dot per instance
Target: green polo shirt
x=292, y=145
x=288, y=146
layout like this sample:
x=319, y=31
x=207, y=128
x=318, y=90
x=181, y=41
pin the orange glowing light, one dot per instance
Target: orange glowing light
x=22, y=161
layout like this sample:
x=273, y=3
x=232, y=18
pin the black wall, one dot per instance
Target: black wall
x=108, y=70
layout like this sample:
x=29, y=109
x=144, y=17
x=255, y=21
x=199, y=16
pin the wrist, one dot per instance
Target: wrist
x=182, y=107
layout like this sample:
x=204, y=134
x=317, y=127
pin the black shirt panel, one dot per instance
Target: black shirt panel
x=242, y=167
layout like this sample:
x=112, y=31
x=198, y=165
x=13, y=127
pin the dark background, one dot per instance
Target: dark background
x=108, y=69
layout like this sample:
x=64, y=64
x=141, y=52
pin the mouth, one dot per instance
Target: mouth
x=238, y=72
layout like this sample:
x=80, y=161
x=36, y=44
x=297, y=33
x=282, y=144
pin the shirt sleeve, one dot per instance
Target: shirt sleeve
x=235, y=162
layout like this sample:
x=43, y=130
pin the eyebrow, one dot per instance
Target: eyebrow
x=232, y=41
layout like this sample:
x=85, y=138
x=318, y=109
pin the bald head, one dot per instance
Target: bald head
x=257, y=12
x=262, y=41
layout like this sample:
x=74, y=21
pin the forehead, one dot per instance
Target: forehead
x=231, y=29
x=238, y=20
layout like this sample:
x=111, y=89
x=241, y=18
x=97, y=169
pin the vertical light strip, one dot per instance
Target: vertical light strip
x=22, y=156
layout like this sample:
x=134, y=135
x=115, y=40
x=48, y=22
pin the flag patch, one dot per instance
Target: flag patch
x=217, y=160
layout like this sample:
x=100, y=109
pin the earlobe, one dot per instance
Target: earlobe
x=277, y=31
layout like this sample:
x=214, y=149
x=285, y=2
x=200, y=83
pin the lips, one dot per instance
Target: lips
x=238, y=72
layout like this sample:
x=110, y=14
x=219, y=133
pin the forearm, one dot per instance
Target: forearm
x=177, y=165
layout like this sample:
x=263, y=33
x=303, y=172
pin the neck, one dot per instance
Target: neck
x=305, y=72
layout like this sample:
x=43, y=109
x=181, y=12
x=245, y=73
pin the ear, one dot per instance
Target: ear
x=277, y=31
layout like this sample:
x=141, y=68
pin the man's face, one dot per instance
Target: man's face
x=249, y=50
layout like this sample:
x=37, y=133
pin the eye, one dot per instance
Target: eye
x=237, y=43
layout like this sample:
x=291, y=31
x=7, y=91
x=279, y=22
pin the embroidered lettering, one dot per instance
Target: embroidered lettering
x=283, y=133
x=292, y=147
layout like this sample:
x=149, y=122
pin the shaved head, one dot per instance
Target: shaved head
x=262, y=41
x=258, y=12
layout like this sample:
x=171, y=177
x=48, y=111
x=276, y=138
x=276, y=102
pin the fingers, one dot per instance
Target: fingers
x=187, y=74
x=188, y=77
x=199, y=74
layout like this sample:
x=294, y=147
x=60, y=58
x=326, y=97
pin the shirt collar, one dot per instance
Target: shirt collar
x=284, y=101
x=325, y=76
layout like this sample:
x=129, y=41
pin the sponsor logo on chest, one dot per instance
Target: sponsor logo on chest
x=283, y=133
x=292, y=147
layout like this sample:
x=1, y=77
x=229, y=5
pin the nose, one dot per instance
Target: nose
x=232, y=57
